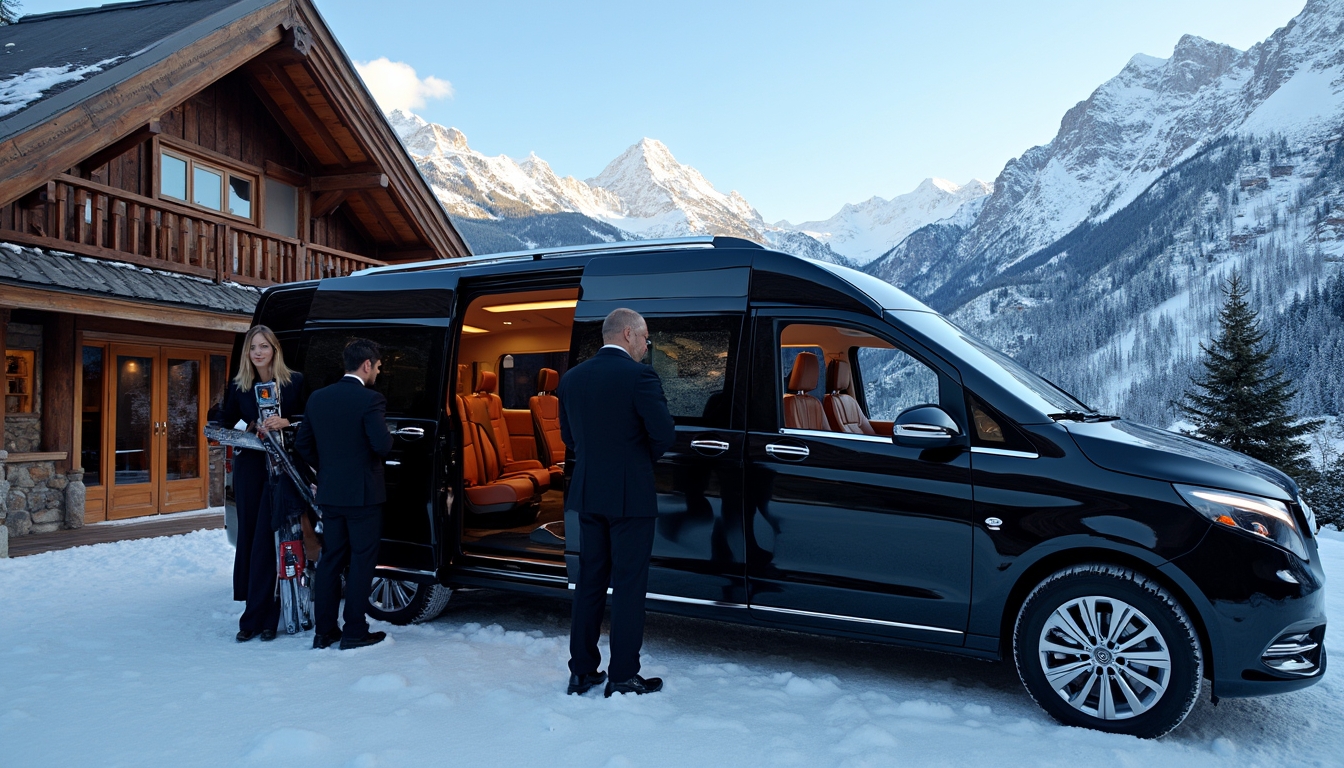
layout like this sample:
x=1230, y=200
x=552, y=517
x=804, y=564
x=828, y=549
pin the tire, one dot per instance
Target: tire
x=406, y=602
x=1095, y=683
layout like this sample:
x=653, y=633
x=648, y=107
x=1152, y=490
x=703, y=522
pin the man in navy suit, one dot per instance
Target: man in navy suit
x=345, y=437
x=613, y=415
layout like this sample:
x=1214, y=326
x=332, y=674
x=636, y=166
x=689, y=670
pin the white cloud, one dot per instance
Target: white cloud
x=395, y=85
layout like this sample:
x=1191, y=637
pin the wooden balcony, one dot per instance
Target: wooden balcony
x=91, y=219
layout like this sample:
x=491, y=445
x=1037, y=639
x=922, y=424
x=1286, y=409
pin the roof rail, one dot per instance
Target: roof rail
x=537, y=254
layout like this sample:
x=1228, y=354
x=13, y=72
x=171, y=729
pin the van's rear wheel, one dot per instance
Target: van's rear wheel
x=1103, y=647
x=399, y=601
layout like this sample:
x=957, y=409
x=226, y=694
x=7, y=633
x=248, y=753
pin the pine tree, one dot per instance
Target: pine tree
x=1240, y=402
x=9, y=11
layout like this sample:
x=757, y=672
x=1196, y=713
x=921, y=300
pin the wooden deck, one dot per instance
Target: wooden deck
x=101, y=533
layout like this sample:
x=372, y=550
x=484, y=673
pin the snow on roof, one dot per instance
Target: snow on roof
x=21, y=90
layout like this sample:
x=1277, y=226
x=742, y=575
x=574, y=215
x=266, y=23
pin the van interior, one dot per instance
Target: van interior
x=512, y=352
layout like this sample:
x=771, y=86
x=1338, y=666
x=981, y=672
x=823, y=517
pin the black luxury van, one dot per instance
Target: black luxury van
x=848, y=462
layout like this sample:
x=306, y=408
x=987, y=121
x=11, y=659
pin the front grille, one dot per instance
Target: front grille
x=1295, y=653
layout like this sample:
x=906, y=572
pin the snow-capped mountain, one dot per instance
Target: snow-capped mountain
x=1156, y=113
x=1098, y=257
x=864, y=231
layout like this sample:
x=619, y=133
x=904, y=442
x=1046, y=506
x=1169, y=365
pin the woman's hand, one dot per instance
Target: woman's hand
x=272, y=424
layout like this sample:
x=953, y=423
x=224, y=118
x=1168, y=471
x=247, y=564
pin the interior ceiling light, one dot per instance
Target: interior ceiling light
x=524, y=307
x=473, y=329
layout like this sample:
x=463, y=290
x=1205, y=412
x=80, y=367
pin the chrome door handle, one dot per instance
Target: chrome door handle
x=787, y=452
x=410, y=433
x=392, y=463
x=710, y=447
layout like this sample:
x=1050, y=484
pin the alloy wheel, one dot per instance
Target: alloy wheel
x=1104, y=657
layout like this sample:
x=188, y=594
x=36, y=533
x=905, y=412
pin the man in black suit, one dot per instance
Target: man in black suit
x=345, y=437
x=614, y=416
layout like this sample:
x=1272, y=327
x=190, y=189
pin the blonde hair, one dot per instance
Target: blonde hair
x=247, y=372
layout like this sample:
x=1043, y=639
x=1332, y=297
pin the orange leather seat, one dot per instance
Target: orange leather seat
x=801, y=410
x=485, y=408
x=841, y=408
x=545, y=408
x=486, y=491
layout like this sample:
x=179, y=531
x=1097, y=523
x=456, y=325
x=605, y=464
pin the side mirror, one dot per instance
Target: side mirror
x=924, y=426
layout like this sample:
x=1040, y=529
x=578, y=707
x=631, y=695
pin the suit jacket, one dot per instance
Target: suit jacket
x=344, y=436
x=613, y=415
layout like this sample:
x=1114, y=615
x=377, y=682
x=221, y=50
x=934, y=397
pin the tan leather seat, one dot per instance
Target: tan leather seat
x=487, y=492
x=801, y=410
x=485, y=408
x=842, y=409
x=545, y=408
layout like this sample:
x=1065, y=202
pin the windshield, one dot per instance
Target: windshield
x=1032, y=388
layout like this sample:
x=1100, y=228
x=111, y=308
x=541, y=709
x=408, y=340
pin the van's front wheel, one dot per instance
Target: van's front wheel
x=1103, y=647
x=398, y=601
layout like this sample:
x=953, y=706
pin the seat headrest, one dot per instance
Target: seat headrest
x=486, y=381
x=805, y=374
x=547, y=380
x=837, y=376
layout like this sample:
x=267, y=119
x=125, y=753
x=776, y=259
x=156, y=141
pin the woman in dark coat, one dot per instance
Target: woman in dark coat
x=254, y=559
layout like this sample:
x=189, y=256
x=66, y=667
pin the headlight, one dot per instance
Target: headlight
x=1266, y=518
x=1312, y=526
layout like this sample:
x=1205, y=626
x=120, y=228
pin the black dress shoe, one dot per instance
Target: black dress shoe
x=636, y=685
x=373, y=638
x=244, y=635
x=267, y=635
x=581, y=684
x=326, y=641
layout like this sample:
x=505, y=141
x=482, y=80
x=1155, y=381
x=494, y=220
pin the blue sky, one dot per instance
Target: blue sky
x=801, y=107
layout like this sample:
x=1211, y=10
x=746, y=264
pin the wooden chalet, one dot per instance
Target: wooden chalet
x=161, y=163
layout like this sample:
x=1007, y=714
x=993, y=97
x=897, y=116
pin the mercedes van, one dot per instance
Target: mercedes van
x=848, y=462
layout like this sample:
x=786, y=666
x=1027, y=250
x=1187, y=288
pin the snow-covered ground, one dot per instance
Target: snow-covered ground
x=123, y=655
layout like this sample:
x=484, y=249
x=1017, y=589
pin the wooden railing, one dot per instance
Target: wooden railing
x=93, y=219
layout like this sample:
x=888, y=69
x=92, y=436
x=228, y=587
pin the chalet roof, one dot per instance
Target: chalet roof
x=52, y=270
x=76, y=82
x=52, y=61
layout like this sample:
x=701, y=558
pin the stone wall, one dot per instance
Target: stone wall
x=23, y=432
x=36, y=499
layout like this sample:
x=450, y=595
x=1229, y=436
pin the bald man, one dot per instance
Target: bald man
x=614, y=416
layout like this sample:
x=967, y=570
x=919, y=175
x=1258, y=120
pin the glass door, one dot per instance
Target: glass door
x=154, y=431
x=134, y=426
x=185, y=467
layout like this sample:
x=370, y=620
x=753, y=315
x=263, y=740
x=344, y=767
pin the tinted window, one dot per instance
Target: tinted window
x=518, y=375
x=788, y=358
x=691, y=356
x=893, y=381
x=411, y=361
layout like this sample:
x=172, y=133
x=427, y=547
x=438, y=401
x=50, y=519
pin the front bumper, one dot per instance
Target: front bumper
x=1254, y=615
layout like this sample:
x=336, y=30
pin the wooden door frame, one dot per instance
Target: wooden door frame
x=154, y=353
x=108, y=342
x=202, y=479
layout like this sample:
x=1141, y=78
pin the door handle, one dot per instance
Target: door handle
x=410, y=433
x=392, y=463
x=788, y=452
x=709, y=447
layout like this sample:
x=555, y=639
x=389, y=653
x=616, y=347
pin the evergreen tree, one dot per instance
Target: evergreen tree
x=1240, y=402
x=9, y=11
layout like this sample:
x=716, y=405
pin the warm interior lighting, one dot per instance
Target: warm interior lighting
x=524, y=307
x=473, y=329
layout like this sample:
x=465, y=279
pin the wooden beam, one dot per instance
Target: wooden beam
x=349, y=181
x=383, y=220
x=117, y=149
x=31, y=158
x=58, y=387
x=295, y=44
x=4, y=343
x=278, y=113
x=20, y=297
x=319, y=128
x=287, y=175
x=325, y=204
